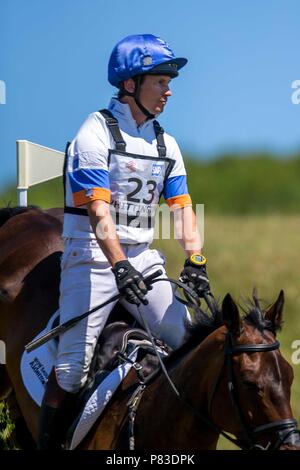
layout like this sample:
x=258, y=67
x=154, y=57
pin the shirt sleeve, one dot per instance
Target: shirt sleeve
x=88, y=162
x=176, y=190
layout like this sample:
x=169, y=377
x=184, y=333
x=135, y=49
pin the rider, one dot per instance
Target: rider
x=117, y=167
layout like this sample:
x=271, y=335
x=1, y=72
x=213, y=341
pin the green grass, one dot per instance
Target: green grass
x=6, y=429
x=251, y=184
x=231, y=184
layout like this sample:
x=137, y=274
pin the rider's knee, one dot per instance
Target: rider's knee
x=174, y=333
x=71, y=379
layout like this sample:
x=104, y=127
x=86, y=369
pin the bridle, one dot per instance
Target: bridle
x=285, y=430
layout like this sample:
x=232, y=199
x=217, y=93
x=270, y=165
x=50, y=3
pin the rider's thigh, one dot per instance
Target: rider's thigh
x=85, y=283
x=165, y=315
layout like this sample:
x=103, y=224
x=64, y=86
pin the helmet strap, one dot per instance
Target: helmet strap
x=136, y=96
x=143, y=109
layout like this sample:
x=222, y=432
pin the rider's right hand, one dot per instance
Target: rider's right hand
x=130, y=282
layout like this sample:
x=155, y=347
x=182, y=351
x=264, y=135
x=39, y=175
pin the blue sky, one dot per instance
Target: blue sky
x=234, y=94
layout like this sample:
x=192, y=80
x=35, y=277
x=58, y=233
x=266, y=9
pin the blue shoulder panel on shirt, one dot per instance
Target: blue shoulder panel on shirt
x=175, y=186
x=85, y=179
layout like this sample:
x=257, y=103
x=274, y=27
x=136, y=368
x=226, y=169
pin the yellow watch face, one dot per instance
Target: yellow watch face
x=198, y=259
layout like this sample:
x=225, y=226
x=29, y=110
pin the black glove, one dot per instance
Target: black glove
x=194, y=274
x=130, y=282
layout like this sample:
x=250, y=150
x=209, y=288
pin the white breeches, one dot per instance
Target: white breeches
x=87, y=281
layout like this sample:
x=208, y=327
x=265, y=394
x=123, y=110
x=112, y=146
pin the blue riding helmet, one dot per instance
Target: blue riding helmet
x=141, y=54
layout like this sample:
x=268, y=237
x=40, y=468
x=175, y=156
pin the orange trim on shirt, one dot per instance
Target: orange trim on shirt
x=80, y=198
x=177, y=202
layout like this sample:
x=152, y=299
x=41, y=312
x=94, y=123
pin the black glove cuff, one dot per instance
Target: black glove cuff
x=121, y=269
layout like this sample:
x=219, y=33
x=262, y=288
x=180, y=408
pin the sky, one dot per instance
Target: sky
x=235, y=93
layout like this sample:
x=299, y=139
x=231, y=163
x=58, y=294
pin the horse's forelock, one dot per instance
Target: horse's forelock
x=255, y=316
x=8, y=212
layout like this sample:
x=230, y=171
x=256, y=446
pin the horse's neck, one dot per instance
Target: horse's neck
x=194, y=377
x=198, y=371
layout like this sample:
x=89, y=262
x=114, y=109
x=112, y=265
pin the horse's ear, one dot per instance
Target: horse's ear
x=274, y=312
x=230, y=315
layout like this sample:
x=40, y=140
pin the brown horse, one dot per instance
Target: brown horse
x=31, y=246
x=230, y=375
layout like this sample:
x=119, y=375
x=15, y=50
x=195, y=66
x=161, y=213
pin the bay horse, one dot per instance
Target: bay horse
x=230, y=376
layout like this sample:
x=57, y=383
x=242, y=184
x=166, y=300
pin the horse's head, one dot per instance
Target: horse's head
x=256, y=379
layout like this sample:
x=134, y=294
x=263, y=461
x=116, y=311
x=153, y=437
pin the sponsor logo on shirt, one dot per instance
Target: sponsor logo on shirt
x=131, y=165
x=157, y=169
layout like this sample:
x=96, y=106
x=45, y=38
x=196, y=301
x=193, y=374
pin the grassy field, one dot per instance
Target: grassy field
x=229, y=184
x=243, y=252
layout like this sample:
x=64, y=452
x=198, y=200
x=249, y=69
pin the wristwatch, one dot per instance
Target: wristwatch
x=197, y=259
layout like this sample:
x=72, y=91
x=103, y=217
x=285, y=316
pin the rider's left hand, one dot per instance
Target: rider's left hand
x=194, y=274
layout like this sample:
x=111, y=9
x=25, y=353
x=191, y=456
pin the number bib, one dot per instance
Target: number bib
x=136, y=184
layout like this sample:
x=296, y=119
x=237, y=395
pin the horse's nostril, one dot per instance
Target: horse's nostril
x=3, y=293
x=7, y=295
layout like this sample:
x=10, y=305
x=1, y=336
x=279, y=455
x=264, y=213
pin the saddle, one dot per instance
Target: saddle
x=115, y=344
x=121, y=347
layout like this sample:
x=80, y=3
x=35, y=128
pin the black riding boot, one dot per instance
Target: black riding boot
x=55, y=415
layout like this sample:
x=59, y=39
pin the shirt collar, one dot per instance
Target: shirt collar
x=122, y=112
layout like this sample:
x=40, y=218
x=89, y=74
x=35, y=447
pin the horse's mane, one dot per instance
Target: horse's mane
x=198, y=328
x=204, y=323
x=8, y=212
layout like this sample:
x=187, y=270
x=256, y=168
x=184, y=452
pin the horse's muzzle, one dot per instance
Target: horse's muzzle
x=290, y=441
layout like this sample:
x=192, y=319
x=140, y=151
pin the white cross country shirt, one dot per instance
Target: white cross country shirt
x=131, y=181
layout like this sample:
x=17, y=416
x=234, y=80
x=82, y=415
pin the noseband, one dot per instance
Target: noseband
x=285, y=430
